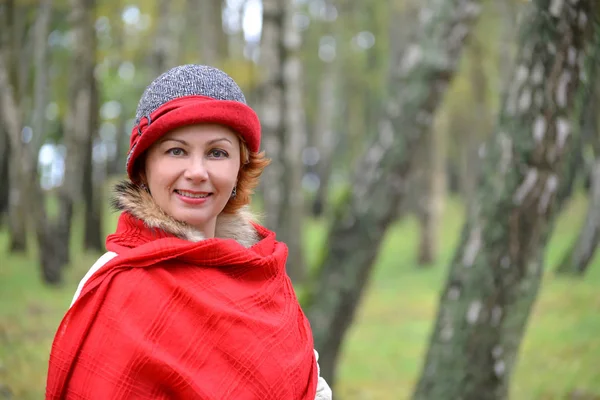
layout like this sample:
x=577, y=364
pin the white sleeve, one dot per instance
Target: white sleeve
x=323, y=389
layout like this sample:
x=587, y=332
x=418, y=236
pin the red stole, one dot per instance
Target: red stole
x=173, y=319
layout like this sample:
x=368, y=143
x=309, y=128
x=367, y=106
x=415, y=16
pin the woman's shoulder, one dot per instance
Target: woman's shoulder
x=104, y=258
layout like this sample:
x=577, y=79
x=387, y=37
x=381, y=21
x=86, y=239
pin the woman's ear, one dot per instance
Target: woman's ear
x=141, y=173
x=142, y=177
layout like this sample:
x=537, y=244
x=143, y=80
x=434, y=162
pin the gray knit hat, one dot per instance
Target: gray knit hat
x=188, y=95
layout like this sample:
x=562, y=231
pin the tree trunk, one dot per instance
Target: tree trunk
x=40, y=85
x=92, y=182
x=222, y=41
x=431, y=206
x=507, y=10
x=17, y=208
x=12, y=119
x=578, y=258
x=294, y=142
x=205, y=21
x=494, y=278
x=271, y=109
x=326, y=132
x=162, y=58
x=468, y=161
x=417, y=85
x=578, y=164
x=4, y=175
x=209, y=31
x=77, y=132
x=23, y=167
x=282, y=115
x=482, y=119
x=117, y=165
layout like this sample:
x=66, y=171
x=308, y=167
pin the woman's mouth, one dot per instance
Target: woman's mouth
x=192, y=196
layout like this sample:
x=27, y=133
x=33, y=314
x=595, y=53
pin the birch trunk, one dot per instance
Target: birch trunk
x=326, y=133
x=4, y=177
x=117, y=165
x=10, y=78
x=468, y=162
x=17, y=214
x=23, y=176
x=271, y=109
x=77, y=129
x=495, y=275
x=32, y=185
x=483, y=124
x=579, y=256
x=93, y=180
x=431, y=206
x=209, y=28
x=164, y=43
x=294, y=135
x=417, y=85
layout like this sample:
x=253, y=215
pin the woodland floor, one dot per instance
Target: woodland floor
x=382, y=354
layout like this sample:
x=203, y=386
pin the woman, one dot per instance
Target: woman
x=191, y=301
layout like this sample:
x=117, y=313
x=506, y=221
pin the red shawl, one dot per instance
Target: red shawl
x=173, y=319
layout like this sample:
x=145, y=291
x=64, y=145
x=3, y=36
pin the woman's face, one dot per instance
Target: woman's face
x=192, y=171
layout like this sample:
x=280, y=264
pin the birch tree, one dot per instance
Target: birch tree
x=327, y=135
x=417, y=83
x=23, y=169
x=93, y=174
x=164, y=35
x=284, y=132
x=4, y=178
x=77, y=133
x=577, y=259
x=271, y=107
x=494, y=277
x=431, y=204
x=211, y=38
x=15, y=51
x=294, y=141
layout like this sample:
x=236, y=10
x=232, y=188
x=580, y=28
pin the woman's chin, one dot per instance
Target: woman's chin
x=198, y=222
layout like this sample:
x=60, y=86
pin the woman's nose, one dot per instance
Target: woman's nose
x=196, y=169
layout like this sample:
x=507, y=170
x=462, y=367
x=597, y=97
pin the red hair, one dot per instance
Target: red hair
x=251, y=168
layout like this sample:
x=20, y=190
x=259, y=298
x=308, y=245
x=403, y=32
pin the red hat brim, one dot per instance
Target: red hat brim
x=191, y=110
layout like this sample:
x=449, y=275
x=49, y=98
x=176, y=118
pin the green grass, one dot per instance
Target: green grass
x=384, y=348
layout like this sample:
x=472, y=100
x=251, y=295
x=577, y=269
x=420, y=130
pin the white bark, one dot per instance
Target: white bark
x=292, y=214
x=271, y=111
x=327, y=136
x=164, y=39
x=379, y=182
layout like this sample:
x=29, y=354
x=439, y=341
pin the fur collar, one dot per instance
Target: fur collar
x=133, y=199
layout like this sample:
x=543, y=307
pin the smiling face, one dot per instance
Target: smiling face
x=191, y=172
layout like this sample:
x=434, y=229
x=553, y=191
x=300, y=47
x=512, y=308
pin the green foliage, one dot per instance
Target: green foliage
x=384, y=349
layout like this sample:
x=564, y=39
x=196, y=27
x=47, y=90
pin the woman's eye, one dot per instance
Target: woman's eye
x=216, y=153
x=175, y=151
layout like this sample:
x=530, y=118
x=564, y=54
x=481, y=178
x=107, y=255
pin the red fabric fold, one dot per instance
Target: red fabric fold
x=172, y=319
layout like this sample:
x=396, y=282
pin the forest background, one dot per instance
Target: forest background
x=435, y=173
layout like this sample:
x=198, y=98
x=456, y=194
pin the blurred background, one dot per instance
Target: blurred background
x=429, y=258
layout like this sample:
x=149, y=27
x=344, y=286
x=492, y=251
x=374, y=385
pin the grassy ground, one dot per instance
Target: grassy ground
x=382, y=354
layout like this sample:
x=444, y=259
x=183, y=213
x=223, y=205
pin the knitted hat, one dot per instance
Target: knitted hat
x=187, y=95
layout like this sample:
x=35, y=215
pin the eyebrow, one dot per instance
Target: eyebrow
x=163, y=140
x=187, y=144
x=219, y=140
